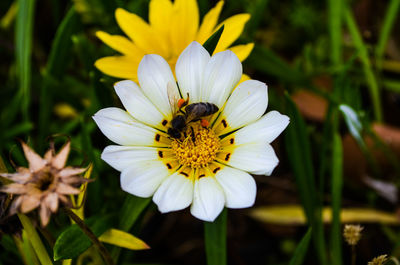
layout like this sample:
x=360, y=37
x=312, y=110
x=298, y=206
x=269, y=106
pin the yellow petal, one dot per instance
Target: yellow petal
x=242, y=51
x=160, y=12
x=122, y=239
x=233, y=27
x=209, y=22
x=140, y=32
x=244, y=78
x=119, y=66
x=119, y=43
x=294, y=215
x=184, y=24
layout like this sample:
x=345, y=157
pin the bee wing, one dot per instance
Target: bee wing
x=173, y=97
x=194, y=111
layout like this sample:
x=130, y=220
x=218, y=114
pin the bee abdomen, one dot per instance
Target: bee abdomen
x=202, y=108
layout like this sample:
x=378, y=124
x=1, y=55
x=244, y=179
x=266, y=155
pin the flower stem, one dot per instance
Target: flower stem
x=353, y=255
x=101, y=248
x=34, y=238
x=215, y=240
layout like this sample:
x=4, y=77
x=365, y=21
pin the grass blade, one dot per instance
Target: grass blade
x=367, y=68
x=34, y=238
x=23, y=41
x=301, y=249
x=215, y=239
x=387, y=26
x=335, y=30
x=299, y=153
x=337, y=183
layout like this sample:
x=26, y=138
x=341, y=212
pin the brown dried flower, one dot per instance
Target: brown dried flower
x=45, y=183
x=352, y=234
x=378, y=260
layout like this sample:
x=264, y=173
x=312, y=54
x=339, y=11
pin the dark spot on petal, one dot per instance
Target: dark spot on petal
x=184, y=173
x=216, y=170
x=160, y=154
x=228, y=155
x=164, y=122
x=201, y=176
x=232, y=141
x=158, y=137
x=224, y=123
x=169, y=166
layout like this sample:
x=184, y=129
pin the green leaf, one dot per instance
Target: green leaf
x=215, y=240
x=23, y=41
x=353, y=123
x=211, y=43
x=122, y=239
x=301, y=249
x=337, y=183
x=73, y=241
x=131, y=210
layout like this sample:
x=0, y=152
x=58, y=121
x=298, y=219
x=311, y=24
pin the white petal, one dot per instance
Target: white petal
x=246, y=104
x=143, y=178
x=221, y=75
x=266, y=129
x=154, y=74
x=189, y=70
x=256, y=158
x=121, y=128
x=239, y=187
x=208, y=200
x=122, y=157
x=174, y=194
x=137, y=104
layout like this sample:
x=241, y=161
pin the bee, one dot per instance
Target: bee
x=193, y=112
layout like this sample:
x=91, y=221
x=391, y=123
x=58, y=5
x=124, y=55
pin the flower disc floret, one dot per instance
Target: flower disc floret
x=197, y=148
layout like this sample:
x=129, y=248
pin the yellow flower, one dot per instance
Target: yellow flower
x=171, y=28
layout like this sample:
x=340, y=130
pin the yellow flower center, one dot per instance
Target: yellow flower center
x=197, y=147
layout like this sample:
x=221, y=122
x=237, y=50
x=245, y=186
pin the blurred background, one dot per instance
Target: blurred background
x=332, y=66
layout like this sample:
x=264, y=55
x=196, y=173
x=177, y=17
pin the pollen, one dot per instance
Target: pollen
x=197, y=147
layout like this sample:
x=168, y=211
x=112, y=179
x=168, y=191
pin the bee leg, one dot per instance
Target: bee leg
x=193, y=136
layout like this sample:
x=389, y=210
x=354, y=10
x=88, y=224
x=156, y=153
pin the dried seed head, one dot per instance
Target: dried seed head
x=382, y=259
x=352, y=234
x=45, y=183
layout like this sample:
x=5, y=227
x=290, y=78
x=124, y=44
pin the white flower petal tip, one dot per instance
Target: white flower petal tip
x=175, y=193
x=239, y=187
x=266, y=129
x=137, y=104
x=154, y=74
x=208, y=199
x=143, y=178
x=189, y=70
x=222, y=74
x=246, y=105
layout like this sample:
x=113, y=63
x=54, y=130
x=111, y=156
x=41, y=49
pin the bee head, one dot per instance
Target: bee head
x=174, y=133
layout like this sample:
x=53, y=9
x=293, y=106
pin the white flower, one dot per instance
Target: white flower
x=209, y=169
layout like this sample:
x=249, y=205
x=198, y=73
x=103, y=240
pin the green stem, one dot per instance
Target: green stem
x=34, y=238
x=100, y=247
x=215, y=240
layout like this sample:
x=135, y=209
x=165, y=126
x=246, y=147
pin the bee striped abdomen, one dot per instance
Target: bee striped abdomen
x=201, y=109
